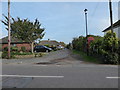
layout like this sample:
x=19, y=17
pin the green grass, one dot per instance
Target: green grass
x=87, y=58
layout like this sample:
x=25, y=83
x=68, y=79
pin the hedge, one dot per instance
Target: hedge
x=106, y=48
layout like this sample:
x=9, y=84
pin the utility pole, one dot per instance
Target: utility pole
x=86, y=31
x=111, y=21
x=9, y=29
x=111, y=17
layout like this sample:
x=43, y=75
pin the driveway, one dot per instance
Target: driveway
x=58, y=57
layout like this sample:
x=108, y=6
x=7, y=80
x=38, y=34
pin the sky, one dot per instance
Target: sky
x=63, y=20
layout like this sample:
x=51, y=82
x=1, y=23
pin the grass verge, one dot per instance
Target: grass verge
x=87, y=58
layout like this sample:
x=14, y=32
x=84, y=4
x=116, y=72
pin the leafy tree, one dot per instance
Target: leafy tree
x=25, y=30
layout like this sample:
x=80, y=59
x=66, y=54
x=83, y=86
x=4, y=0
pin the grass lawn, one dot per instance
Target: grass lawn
x=87, y=58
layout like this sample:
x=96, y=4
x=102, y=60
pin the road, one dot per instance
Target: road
x=66, y=72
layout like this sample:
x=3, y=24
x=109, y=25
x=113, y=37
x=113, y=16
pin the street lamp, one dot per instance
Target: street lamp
x=86, y=31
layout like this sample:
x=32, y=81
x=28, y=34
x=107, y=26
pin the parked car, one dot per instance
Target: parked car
x=60, y=47
x=41, y=48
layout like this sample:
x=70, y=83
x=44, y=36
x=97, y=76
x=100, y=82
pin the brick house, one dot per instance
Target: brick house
x=15, y=42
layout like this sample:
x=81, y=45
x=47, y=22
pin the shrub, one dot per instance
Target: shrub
x=47, y=45
x=5, y=49
x=5, y=55
x=23, y=49
x=107, y=48
x=14, y=49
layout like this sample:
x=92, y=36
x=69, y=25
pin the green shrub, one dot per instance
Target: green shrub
x=23, y=49
x=14, y=49
x=107, y=48
x=5, y=55
x=47, y=45
x=5, y=49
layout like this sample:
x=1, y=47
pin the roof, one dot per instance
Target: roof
x=49, y=42
x=116, y=24
x=13, y=40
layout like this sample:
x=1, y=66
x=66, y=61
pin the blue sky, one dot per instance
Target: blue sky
x=64, y=20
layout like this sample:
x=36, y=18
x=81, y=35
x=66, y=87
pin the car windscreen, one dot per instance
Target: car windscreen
x=39, y=47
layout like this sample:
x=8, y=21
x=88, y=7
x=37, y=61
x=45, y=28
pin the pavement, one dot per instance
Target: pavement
x=65, y=71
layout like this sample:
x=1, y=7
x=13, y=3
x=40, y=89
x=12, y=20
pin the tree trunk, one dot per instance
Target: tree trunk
x=32, y=46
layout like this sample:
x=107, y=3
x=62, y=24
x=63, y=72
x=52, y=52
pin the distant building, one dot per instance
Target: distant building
x=116, y=29
x=50, y=43
x=15, y=42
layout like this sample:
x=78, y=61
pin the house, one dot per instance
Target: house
x=50, y=43
x=116, y=29
x=15, y=42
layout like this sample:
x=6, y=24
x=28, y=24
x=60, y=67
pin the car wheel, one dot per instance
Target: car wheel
x=47, y=51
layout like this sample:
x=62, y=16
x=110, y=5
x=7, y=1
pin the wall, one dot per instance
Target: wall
x=116, y=31
x=28, y=46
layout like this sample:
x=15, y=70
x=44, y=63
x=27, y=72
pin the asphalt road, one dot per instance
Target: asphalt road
x=71, y=74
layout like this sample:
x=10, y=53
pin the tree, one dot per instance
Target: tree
x=25, y=30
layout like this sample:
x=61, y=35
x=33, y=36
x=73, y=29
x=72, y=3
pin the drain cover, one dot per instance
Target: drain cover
x=15, y=82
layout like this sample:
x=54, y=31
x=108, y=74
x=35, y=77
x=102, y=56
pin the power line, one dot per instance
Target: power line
x=92, y=15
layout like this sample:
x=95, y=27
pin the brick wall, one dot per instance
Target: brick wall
x=26, y=45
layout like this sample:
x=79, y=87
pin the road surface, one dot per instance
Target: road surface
x=65, y=71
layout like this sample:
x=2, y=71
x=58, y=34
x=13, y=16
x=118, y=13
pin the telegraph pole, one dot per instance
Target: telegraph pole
x=86, y=31
x=111, y=21
x=111, y=17
x=9, y=29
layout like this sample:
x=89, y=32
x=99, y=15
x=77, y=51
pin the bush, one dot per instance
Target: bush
x=5, y=49
x=14, y=49
x=47, y=45
x=23, y=49
x=106, y=48
x=5, y=55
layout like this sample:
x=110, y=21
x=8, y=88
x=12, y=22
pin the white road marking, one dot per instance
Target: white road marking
x=31, y=76
x=113, y=77
x=40, y=65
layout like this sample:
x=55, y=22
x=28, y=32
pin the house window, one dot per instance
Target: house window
x=14, y=45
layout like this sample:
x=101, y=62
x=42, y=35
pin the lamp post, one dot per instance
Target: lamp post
x=86, y=31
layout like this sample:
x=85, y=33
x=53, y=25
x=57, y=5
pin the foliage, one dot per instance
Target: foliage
x=79, y=43
x=5, y=49
x=25, y=30
x=14, y=49
x=23, y=48
x=5, y=55
x=106, y=48
x=87, y=58
x=47, y=45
